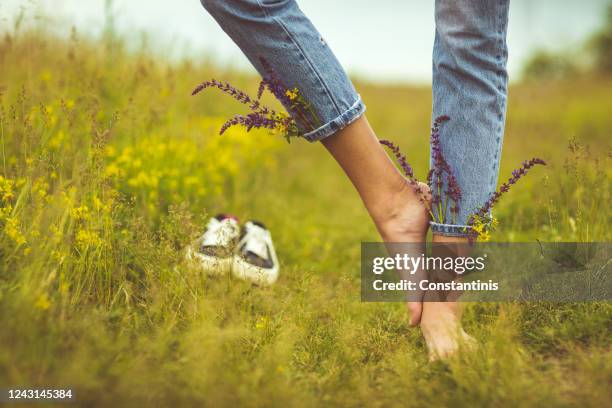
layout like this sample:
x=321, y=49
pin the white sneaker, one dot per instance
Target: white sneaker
x=214, y=250
x=255, y=259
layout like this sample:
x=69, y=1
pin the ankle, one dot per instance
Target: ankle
x=388, y=207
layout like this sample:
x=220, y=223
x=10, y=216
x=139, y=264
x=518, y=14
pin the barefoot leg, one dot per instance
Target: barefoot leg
x=395, y=208
x=441, y=318
x=279, y=33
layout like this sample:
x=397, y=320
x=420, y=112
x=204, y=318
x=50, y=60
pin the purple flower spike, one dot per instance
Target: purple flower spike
x=260, y=89
x=261, y=116
x=505, y=187
x=441, y=166
x=401, y=159
x=235, y=93
x=407, y=169
x=440, y=120
x=250, y=121
x=274, y=84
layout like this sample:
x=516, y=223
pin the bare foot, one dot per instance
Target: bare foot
x=405, y=218
x=441, y=327
x=441, y=321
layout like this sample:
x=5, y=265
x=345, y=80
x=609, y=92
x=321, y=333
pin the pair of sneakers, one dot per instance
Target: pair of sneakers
x=247, y=253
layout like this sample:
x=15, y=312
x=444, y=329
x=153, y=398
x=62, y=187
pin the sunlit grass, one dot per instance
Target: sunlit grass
x=109, y=168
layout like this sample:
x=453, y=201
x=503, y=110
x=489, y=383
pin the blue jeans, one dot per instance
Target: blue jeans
x=469, y=80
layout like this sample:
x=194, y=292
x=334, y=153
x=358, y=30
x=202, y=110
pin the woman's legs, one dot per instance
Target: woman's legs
x=470, y=86
x=278, y=31
x=397, y=211
x=391, y=202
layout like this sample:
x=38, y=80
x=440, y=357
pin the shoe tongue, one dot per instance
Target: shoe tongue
x=220, y=231
x=258, y=248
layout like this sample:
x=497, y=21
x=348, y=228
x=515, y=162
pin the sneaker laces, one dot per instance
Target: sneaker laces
x=220, y=233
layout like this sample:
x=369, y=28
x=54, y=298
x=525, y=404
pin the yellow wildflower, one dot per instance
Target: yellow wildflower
x=41, y=186
x=6, y=189
x=191, y=181
x=87, y=238
x=80, y=213
x=5, y=211
x=13, y=230
x=261, y=323
x=58, y=256
x=292, y=94
x=56, y=141
x=56, y=233
x=112, y=170
x=43, y=302
x=483, y=227
x=494, y=222
x=46, y=76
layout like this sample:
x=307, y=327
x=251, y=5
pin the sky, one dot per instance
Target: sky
x=382, y=40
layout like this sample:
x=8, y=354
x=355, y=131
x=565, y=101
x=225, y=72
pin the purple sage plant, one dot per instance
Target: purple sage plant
x=505, y=187
x=442, y=199
x=407, y=169
x=261, y=116
x=481, y=222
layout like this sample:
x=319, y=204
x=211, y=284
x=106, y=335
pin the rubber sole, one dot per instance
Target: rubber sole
x=241, y=269
x=234, y=265
x=212, y=265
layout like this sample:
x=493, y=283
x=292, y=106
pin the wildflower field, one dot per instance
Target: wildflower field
x=109, y=167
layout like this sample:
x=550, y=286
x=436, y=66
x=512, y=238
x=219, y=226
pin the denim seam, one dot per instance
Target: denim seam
x=500, y=44
x=297, y=45
x=310, y=64
x=338, y=123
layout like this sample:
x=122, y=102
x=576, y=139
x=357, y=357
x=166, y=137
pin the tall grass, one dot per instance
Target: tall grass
x=109, y=168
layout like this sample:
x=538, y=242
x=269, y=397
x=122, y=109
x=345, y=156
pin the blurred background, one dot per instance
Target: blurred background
x=394, y=38
x=110, y=168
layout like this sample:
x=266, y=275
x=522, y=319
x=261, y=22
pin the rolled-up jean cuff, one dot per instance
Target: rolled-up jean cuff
x=340, y=122
x=450, y=230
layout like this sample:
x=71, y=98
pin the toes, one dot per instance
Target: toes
x=442, y=348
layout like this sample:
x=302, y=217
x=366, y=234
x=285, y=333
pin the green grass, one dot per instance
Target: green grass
x=110, y=168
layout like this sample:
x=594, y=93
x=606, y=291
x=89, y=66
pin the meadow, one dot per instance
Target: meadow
x=110, y=167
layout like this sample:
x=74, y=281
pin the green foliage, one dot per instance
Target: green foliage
x=596, y=56
x=545, y=65
x=108, y=170
x=601, y=44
